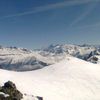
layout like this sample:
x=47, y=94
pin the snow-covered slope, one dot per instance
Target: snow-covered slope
x=70, y=79
x=20, y=59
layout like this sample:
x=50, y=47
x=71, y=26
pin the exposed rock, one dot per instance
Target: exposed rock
x=39, y=98
x=10, y=89
x=9, y=84
x=10, y=92
x=2, y=97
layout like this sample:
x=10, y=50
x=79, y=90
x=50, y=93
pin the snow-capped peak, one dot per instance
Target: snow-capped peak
x=22, y=59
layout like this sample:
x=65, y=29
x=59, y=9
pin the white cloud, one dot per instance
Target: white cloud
x=95, y=25
x=84, y=27
x=84, y=14
x=52, y=6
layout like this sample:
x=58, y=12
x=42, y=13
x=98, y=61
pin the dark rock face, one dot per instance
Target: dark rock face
x=2, y=97
x=39, y=98
x=10, y=89
x=9, y=84
x=0, y=88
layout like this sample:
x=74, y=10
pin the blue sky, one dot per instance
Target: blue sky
x=38, y=23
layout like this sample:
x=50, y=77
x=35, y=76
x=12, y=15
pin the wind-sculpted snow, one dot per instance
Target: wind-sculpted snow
x=70, y=79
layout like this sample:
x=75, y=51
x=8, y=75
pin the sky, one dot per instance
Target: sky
x=38, y=23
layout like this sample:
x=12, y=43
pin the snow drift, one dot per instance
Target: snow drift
x=70, y=79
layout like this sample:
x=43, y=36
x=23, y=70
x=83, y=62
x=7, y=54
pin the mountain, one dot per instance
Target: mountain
x=70, y=79
x=85, y=52
x=21, y=59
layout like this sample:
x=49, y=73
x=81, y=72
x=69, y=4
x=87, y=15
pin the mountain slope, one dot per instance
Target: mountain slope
x=20, y=59
x=85, y=52
x=70, y=79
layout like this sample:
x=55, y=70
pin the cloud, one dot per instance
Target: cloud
x=84, y=14
x=51, y=6
x=95, y=25
x=84, y=27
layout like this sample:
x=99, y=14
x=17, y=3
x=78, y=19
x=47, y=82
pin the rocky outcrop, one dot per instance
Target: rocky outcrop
x=10, y=92
x=39, y=98
x=10, y=89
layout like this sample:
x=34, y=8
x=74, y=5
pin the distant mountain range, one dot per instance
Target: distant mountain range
x=21, y=59
x=86, y=52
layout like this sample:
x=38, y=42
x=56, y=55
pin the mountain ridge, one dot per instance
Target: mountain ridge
x=22, y=59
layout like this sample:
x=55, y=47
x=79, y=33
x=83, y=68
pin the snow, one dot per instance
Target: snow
x=20, y=59
x=5, y=95
x=59, y=52
x=29, y=97
x=70, y=79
